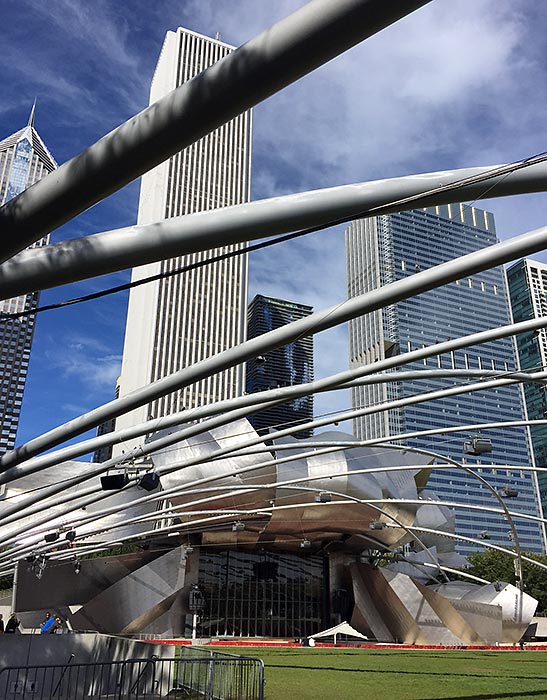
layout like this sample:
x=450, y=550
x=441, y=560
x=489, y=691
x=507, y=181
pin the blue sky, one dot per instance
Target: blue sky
x=456, y=84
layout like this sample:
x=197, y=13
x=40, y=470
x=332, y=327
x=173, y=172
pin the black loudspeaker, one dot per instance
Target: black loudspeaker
x=149, y=481
x=112, y=482
x=51, y=536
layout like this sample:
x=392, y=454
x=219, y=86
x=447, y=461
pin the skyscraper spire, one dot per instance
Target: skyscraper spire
x=25, y=159
x=31, y=116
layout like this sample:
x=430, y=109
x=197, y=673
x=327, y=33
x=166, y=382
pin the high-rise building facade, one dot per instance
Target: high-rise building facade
x=24, y=159
x=102, y=454
x=177, y=321
x=388, y=248
x=528, y=291
x=286, y=366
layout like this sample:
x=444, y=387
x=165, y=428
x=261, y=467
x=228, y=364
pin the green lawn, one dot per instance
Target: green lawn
x=376, y=674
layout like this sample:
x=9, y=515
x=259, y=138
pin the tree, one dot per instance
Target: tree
x=497, y=566
x=492, y=565
x=535, y=581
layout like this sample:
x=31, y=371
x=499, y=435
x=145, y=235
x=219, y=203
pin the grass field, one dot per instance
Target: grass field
x=377, y=674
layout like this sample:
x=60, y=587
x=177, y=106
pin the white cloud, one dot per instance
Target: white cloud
x=402, y=97
x=73, y=54
x=86, y=361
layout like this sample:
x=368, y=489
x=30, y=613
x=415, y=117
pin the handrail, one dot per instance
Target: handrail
x=215, y=676
x=70, y=660
x=151, y=660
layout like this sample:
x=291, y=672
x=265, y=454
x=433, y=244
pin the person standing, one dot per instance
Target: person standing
x=12, y=624
x=59, y=625
x=47, y=624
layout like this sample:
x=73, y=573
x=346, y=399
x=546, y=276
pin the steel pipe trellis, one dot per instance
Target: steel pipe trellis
x=277, y=57
x=110, y=251
x=247, y=76
x=396, y=291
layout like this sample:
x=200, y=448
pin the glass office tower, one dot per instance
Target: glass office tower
x=387, y=248
x=528, y=291
x=24, y=159
x=286, y=366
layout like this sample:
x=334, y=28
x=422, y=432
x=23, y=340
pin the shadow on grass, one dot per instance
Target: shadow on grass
x=495, y=696
x=403, y=653
x=297, y=667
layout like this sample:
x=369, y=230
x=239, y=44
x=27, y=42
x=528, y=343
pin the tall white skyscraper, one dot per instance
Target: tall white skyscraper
x=178, y=321
x=24, y=159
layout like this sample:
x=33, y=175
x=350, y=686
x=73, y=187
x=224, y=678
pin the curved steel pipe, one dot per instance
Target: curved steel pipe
x=257, y=401
x=494, y=493
x=277, y=57
x=111, y=251
x=32, y=504
x=480, y=543
x=410, y=528
x=51, y=459
x=177, y=380
x=187, y=489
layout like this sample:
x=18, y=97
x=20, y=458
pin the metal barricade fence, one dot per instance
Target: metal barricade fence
x=212, y=677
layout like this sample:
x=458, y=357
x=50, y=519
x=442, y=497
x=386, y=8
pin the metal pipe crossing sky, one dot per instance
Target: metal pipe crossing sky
x=322, y=320
x=277, y=57
x=111, y=251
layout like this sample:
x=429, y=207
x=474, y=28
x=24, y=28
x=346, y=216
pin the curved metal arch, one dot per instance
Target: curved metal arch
x=480, y=543
x=203, y=481
x=230, y=515
x=483, y=544
x=171, y=510
x=208, y=479
x=275, y=58
x=410, y=528
x=258, y=401
x=112, y=251
x=396, y=291
x=494, y=493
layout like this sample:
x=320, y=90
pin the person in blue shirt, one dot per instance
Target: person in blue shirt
x=47, y=623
